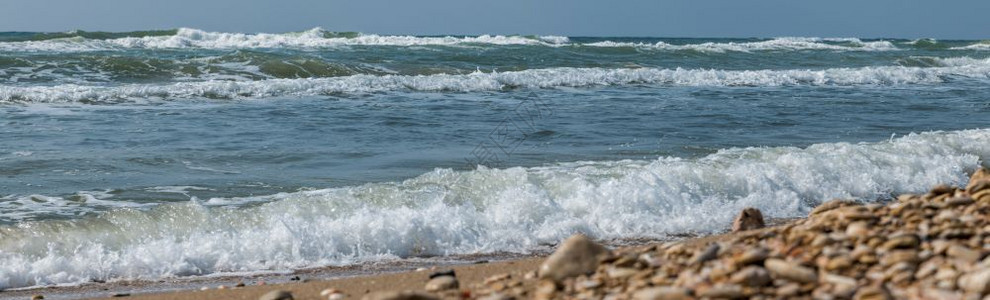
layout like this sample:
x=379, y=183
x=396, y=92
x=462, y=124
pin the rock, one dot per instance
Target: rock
x=901, y=241
x=663, y=293
x=981, y=173
x=788, y=290
x=442, y=283
x=710, y=253
x=830, y=205
x=37, y=297
x=406, y=295
x=977, y=282
x=578, y=255
x=857, y=229
x=751, y=276
x=239, y=284
x=722, y=291
x=941, y=189
x=450, y=273
x=963, y=253
x=872, y=293
x=333, y=294
x=958, y=201
x=748, y=219
x=977, y=185
x=276, y=295
x=119, y=295
x=754, y=255
x=618, y=273
x=790, y=271
x=839, y=263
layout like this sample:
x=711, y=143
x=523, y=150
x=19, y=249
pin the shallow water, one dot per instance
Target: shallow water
x=149, y=155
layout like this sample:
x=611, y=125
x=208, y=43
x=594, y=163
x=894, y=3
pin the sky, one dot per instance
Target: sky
x=944, y=19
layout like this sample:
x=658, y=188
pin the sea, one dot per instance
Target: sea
x=151, y=155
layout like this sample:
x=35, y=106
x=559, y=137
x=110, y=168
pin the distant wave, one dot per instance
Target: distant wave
x=313, y=38
x=786, y=43
x=983, y=45
x=496, y=81
x=447, y=212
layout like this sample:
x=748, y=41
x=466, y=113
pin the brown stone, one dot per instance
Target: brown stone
x=977, y=185
x=710, y=253
x=790, y=271
x=663, y=293
x=748, y=219
x=901, y=241
x=872, y=293
x=722, y=291
x=981, y=173
x=977, y=282
x=578, y=255
x=963, y=253
x=754, y=255
x=751, y=276
x=830, y=205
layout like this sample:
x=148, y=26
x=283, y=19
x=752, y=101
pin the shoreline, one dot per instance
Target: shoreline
x=363, y=278
x=919, y=246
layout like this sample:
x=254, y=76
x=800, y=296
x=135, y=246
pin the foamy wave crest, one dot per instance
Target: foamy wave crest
x=460, y=212
x=478, y=81
x=984, y=45
x=313, y=38
x=786, y=43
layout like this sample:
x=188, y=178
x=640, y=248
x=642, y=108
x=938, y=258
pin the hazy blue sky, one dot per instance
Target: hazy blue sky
x=694, y=18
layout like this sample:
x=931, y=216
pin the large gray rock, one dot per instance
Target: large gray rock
x=577, y=255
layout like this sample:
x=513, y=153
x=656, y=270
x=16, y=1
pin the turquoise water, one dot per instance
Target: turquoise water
x=184, y=152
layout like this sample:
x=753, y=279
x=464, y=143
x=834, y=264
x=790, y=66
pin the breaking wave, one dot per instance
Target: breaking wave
x=495, y=81
x=446, y=212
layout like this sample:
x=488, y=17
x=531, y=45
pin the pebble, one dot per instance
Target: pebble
x=37, y=297
x=663, y=293
x=783, y=269
x=872, y=293
x=722, y=290
x=751, y=276
x=753, y=256
x=442, y=283
x=276, y=295
x=404, y=295
x=963, y=253
x=977, y=282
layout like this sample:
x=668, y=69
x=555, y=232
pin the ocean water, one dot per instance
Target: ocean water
x=159, y=154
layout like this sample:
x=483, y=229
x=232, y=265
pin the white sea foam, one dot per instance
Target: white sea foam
x=449, y=212
x=984, y=45
x=318, y=38
x=313, y=38
x=479, y=81
x=779, y=44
